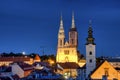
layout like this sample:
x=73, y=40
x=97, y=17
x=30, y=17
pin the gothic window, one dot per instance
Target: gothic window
x=90, y=53
x=106, y=71
x=72, y=40
x=60, y=42
x=66, y=52
x=90, y=60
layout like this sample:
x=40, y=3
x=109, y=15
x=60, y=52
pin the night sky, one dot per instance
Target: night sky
x=32, y=25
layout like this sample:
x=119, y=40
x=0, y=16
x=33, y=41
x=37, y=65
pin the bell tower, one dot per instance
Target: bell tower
x=73, y=34
x=90, y=52
x=61, y=35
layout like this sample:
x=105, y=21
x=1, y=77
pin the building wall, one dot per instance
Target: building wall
x=90, y=59
x=6, y=62
x=105, y=69
x=81, y=63
x=17, y=70
x=69, y=72
x=67, y=55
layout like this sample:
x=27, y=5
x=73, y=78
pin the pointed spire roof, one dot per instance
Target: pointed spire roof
x=73, y=21
x=90, y=28
x=90, y=39
x=61, y=29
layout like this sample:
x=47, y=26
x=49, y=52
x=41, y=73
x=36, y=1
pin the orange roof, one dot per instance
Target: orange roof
x=14, y=59
x=37, y=57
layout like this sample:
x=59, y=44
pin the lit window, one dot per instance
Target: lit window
x=60, y=42
x=66, y=52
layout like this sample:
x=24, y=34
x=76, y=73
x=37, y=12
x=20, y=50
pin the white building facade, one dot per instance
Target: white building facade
x=90, y=53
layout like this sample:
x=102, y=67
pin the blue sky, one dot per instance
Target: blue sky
x=31, y=25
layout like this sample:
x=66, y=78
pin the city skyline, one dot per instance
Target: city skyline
x=32, y=26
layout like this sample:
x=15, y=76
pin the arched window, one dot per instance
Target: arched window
x=90, y=53
x=72, y=40
x=60, y=42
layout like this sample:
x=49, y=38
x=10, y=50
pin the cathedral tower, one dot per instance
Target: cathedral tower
x=67, y=51
x=73, y=35
x=61, y=35
x=90, y=52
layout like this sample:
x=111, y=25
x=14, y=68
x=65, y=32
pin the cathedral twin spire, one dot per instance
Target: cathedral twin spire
x=72, y=33
x=73, y=21
x=61, y=23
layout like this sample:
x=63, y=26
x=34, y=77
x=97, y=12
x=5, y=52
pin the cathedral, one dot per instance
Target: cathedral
x=68, y=55
x=67, y=51
x=72, y=66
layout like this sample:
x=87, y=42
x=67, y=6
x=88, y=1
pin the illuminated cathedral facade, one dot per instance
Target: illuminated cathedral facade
x=67, y=51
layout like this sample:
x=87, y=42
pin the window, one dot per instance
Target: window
x=72, y=40
x=66, y=52
x=90, y=60
x=90, y=53
x=106, y=71
x=60, y=42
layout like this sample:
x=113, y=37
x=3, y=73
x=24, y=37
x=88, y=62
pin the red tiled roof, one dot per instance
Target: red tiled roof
x=37, y=57
x=14, y=59
x=69, y=65
x=25, y=66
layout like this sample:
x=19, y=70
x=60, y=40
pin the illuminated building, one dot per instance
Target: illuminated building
x=37, y=58
x=105, y=69
x=67, y=50
x=68, y=69
x=8, y=60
